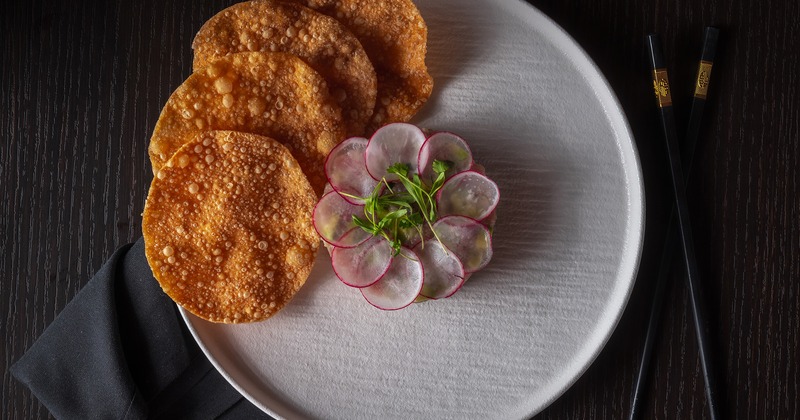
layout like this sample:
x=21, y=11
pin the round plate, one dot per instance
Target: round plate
x=543, y=121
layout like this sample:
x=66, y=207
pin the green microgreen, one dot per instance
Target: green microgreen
x=391, y=212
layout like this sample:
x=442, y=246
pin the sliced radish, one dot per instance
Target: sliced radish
x=444, y=273
x=447, y=147
x=393, y=143
x=363, y=265
x=468, y=194
x=400, y=285
x=468, y=239
x=333, y=218
x=347, y=171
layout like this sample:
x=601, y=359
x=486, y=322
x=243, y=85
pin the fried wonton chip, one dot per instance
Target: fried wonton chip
x=321, y=41
x=227, y=227
x=272, y=94
x=394, y=35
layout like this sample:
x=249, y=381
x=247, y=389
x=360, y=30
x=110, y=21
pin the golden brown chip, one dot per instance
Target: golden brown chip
x=321, y=41
x=272, y=94
x=395, y=37
x=227, y=227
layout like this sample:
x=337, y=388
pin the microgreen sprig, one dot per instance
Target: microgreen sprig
x=388, y=213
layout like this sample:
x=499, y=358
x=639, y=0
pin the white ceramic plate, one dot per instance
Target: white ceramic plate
x=544, y=122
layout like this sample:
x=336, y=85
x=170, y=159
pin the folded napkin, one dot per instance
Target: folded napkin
x=121, y=350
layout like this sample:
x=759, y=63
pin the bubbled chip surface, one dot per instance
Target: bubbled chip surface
x=395, y=36
x=321, y=41
x=271, y=94
x=227, y=227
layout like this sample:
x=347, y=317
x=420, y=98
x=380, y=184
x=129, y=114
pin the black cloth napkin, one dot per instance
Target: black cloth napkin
x=121, y=350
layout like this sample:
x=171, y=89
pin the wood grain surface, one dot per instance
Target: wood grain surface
x=82, y=83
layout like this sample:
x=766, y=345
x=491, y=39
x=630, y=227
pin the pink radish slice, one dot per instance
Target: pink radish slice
x=393, y=143
x=444, y=273
x=363, y=265
x=468, y=194
x=347, y=172
x=400, y=285
x=447, y=147
x=333, y=218
x=468, y=239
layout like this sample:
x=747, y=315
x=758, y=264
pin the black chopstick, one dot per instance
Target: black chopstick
x=702, y=80
x=672, y=239
x=663, y=95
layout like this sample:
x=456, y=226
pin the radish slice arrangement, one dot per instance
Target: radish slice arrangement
x=408, y=217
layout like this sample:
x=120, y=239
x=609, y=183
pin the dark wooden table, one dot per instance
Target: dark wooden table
x=81, y=86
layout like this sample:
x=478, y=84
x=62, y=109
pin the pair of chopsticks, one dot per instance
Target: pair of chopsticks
x=680, y=215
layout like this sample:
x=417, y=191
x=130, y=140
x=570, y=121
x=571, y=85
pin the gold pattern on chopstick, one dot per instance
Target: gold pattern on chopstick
x=661, y=87
x=703, y=76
